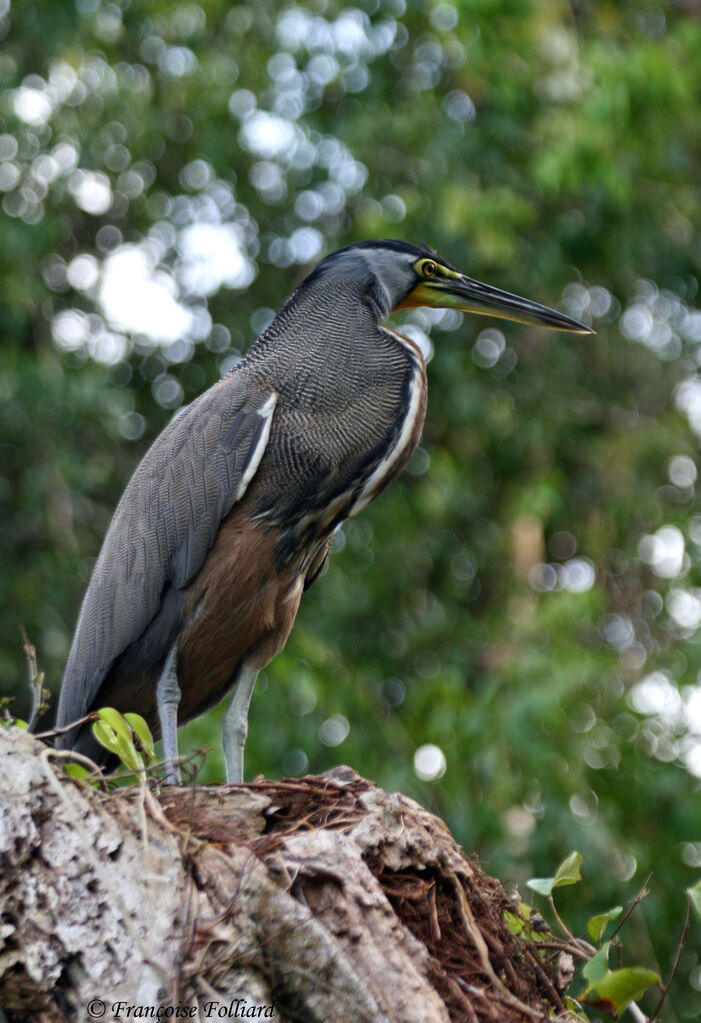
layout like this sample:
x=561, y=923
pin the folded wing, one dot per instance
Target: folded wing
x=163, y=527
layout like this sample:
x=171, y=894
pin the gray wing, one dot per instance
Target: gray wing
x=164, y=525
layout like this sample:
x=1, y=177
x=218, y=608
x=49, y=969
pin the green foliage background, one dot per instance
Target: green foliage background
x=510, y=600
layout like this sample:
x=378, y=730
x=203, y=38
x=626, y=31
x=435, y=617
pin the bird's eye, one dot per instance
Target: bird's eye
x=428, y=268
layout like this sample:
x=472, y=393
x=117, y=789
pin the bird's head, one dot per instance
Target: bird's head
x=399, y=275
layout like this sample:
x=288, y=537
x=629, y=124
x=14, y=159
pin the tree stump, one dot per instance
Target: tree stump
x=312, y=899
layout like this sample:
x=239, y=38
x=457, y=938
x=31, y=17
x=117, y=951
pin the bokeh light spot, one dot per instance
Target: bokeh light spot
x=429, y=762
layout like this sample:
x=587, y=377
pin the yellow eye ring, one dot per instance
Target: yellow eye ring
x=428, y=268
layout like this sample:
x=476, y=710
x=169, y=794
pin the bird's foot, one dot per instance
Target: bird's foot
x=173, y=776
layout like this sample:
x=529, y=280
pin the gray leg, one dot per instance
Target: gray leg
x=167, y=700
x=236, y=725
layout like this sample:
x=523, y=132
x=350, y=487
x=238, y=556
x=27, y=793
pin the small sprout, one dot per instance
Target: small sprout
x=10, y=722
x=117, y=732
x=7, y=718
x=143, y=733
x=567, y=873
x=36, y=683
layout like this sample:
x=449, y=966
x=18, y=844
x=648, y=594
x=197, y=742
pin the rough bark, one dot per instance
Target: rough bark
x=317, y=899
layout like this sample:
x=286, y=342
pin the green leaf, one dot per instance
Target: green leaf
x=576, y=1009
x=568, y=872
x=541, y=885
x=116, y=732
x=119, y=745
x=78, y=771
x=14, y=723
x=143, y=733
x=131, y=758
x=513, y=922
x=597, y=966
x=596, y=926
x=106, y=736
x=116, y=721
x=694, y=894
x=617, y=988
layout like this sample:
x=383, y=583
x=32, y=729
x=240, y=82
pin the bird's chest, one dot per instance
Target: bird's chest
x=341, y=434
x=403, y=435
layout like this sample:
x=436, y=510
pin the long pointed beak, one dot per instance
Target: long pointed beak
x=471, y=296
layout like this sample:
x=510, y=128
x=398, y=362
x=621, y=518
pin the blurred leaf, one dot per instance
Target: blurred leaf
x=15, y=723
x=541, y=885
x=567, y=873
x=514, y=923
x=617, y=988
x=77, y=771
x=597, y=967
x=596, y=925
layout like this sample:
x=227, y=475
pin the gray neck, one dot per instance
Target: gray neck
x=321, y=332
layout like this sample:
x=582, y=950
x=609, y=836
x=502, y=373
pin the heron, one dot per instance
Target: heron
x=230, y=515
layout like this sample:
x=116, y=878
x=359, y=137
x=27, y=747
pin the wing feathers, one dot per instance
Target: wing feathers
x=164, y=525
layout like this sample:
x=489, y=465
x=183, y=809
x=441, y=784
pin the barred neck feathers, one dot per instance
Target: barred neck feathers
x=355, y=287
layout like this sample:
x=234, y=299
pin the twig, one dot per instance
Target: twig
x=156, y=811
x=675, y=965
x=549, y=986
x=642, y=894
x=36, y=680
x=66, y=728
x=578, y=942
x=565, y=946
x=69, y=754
